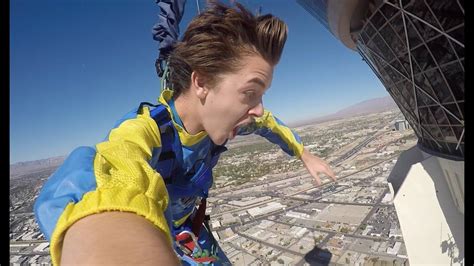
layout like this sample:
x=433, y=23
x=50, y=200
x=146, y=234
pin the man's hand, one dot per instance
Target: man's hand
x=316, y=165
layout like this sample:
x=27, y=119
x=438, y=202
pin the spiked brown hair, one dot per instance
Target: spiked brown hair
x=218, y=38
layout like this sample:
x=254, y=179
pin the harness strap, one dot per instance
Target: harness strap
x=187, y=241
x=199, y=218
x=192, y=252
x=167, y=156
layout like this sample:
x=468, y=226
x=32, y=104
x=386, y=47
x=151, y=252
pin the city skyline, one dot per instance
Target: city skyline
x=264, y=206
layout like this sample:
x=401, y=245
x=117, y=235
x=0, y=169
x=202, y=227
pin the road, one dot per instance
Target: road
x=357, y=148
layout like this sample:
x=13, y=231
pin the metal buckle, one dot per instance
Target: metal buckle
x=184, y=248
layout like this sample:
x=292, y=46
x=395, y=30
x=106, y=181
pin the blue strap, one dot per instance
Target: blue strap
x=175, y=114
x=165, y=163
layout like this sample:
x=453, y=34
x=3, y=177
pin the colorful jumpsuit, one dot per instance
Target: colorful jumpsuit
x=125, y=173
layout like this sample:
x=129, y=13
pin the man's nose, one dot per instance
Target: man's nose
x=257, y=111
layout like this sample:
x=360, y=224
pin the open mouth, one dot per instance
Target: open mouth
x=241, y=124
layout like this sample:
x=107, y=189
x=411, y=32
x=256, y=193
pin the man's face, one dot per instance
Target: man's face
x=236, y=99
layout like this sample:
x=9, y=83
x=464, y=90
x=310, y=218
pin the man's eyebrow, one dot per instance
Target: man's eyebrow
x=258, y=81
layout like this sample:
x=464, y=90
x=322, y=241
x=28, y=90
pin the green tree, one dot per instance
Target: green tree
x=344, y=230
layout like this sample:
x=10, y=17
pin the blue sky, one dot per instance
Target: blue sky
x=77, y=66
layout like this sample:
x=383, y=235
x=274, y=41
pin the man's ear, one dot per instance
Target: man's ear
x=198, y=85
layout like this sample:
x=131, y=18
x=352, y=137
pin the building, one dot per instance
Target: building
x=428, y=85
x=401, y=125
x=394, y=250
x=269, y=208
x=298, y=215
x=416, y=49
x=395, y=232
x=228, y=219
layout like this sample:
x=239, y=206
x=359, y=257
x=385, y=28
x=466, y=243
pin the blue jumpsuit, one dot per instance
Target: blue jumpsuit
x=127, y=172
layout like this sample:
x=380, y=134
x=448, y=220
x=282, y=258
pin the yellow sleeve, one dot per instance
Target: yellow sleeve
x=125, y=180
x=274, y=130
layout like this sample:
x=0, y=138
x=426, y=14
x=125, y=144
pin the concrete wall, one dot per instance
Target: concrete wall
x=429, y=212
x=454, y=174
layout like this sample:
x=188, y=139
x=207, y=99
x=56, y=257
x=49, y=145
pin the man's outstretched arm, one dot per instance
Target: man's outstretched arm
x=115, y=177
x=274, y=130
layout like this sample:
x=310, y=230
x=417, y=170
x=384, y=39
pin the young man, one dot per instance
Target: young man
x=133, y=197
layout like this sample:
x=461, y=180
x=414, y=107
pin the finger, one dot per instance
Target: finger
x=331, y=174
x=317, y=179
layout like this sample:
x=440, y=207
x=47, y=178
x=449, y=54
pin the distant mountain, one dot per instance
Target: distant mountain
x=22, y=168
x=365, y=107
x=369, y=106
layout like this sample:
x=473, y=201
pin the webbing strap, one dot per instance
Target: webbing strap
x=165, y=162
x=199, y=218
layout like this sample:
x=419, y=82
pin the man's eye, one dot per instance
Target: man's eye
x=249, y=94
